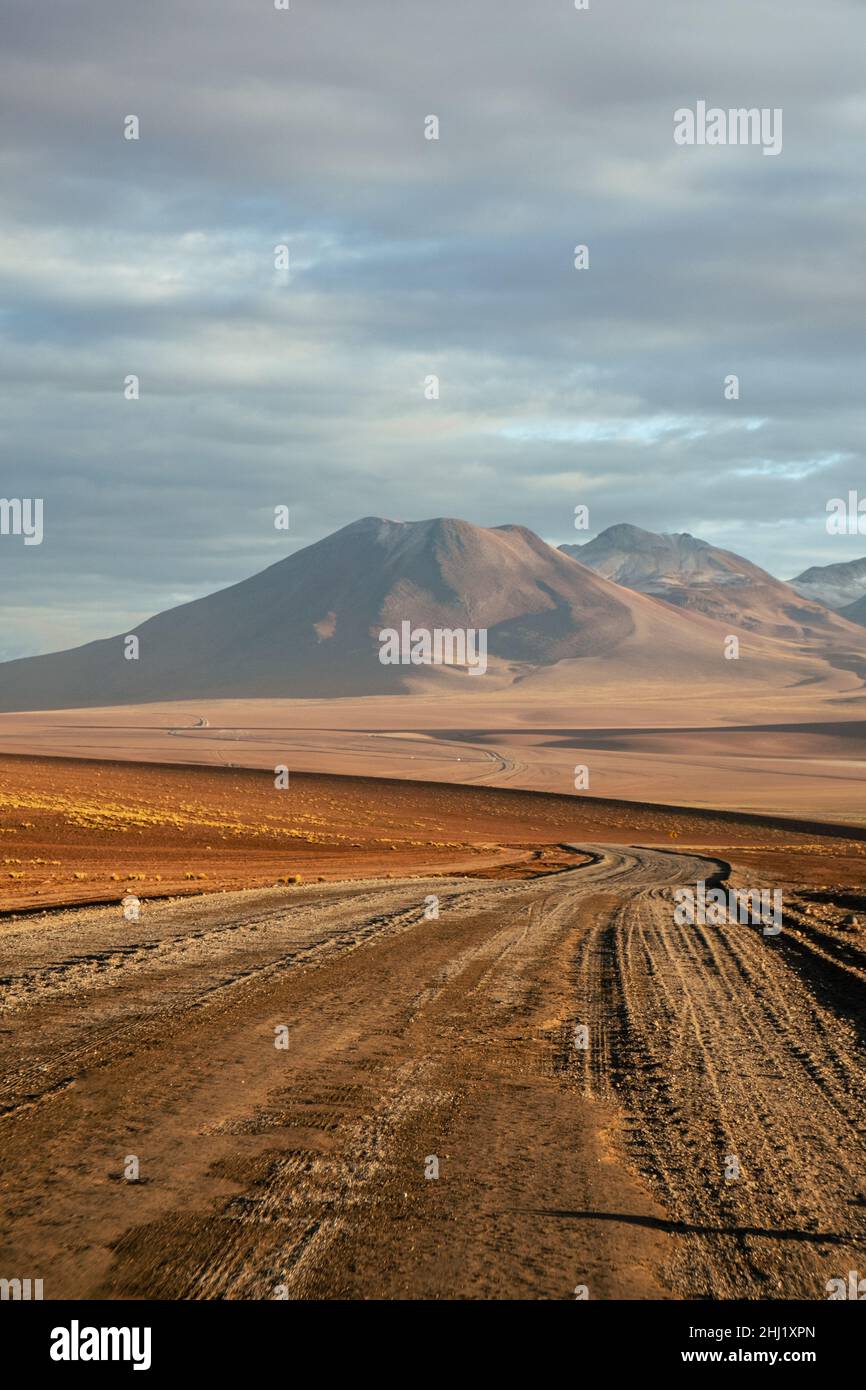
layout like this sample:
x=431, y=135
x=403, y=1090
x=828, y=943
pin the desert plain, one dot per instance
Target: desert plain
x=334, y=978
x=335, y=1051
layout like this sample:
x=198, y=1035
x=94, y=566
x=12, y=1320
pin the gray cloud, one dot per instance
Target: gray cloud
x=410, y=257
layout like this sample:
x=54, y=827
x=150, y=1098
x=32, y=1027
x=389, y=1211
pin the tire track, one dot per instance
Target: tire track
x=716, y=1047
x=454, y=1037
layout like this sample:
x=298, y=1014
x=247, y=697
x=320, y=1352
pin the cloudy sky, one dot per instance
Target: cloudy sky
x=409, y=257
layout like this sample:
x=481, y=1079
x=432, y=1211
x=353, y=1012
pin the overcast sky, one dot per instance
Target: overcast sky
x=409, y=257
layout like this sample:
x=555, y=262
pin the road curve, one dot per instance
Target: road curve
x=430, y=1128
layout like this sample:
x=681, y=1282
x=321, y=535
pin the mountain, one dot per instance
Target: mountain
x=647, y=561
x=702, y=578
x=836, y=586
x=308, y=626
x=855, y=612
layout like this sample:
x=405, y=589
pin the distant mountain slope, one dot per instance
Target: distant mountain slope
x=639, y=558
x=836, y=586
x=855, y=612
x=308, y=626
x=694, y=575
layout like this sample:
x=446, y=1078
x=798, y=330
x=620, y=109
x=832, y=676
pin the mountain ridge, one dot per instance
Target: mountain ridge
x=308, y=625
x=693, y=574
x=837, y=586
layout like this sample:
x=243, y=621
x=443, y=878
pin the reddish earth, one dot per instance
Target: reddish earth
x=75, y=831
x=432, y=1128
x=306, y=1172
x=798, y=752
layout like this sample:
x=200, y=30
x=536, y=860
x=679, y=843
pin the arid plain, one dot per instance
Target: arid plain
x=384, y=993
x=305, y=1172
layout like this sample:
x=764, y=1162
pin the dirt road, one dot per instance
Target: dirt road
x=419, y=1044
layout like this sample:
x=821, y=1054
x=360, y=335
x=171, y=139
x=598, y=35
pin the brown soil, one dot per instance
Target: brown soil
x=77, y=831
x=302, y=1173
x=269, y=1173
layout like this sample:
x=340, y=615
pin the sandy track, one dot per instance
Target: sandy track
x=715, y=1047
x=302, y=1172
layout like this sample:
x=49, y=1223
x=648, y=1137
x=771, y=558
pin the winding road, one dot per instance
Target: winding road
x=335, y=1092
